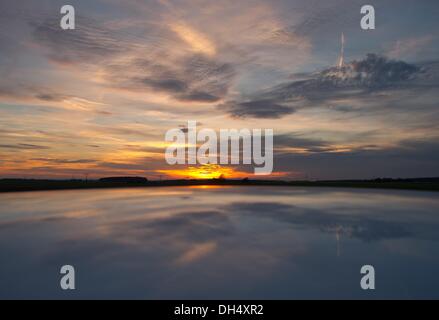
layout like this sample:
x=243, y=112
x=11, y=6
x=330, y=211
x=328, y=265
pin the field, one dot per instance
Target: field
x=15, y=185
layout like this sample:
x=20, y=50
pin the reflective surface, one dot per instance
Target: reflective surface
x=225, y=243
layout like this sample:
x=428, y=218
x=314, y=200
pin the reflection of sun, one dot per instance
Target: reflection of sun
x=208, y=171
x=207, y=186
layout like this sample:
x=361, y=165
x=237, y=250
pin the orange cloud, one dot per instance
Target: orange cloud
x=197, y=41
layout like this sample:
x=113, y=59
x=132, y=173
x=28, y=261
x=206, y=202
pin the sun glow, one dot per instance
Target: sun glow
x=209, y=171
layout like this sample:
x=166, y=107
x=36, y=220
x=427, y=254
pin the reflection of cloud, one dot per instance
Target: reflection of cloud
x=154, y=245
x=186, y=226
x=197, y=252
x=361, y=227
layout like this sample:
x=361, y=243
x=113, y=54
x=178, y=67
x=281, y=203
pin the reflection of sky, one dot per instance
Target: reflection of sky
x=219, y=243
x=99, y=99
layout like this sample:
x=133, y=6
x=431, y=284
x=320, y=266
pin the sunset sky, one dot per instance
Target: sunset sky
x=98, y=100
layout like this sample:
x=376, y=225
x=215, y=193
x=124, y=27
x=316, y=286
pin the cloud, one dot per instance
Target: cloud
x=411, y=47
x=37, y=95
x=89, y=43
x=189, y=62
x=155, y=64
x=23, y=146
x=421, y=149
x=194, y=78
x=267, y=109
x=374, y=73
x=408, y=158
x=358, y=80
x=188, y=75
x=50, y=97
x=197, y=41
x=326, y=141
x=64, y=161
x=168, y=85
x=297, y=140
x=326, y=17
x=199, y=96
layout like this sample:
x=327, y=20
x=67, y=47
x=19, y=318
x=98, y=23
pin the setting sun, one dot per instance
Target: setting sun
x=209, y=171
